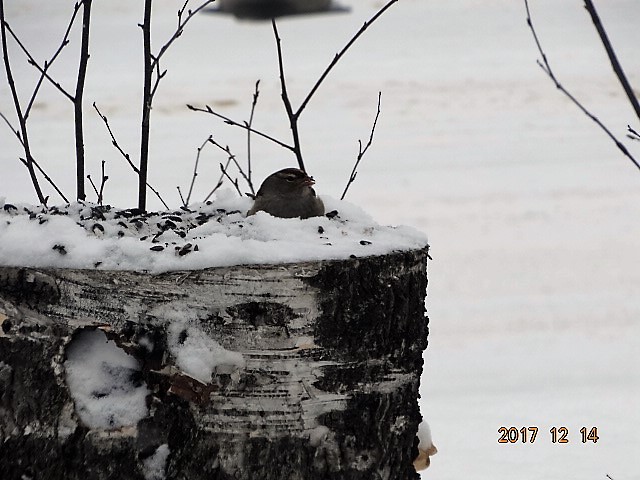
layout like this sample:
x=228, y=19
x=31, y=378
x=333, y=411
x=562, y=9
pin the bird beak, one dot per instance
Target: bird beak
x=307, y=182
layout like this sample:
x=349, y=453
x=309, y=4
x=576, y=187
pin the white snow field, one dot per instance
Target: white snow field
x=533, y=216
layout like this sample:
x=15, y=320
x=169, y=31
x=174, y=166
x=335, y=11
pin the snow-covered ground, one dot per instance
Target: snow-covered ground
x=532, y=214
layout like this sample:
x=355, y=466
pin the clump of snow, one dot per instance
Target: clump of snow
x=213, y=234
x=424, y=435
x=155, y=466
x=103, y=381
x=426, y=448
x=198, y=355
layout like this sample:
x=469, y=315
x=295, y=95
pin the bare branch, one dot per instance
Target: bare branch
x=226, y=166
x=180, y=28
x=229, y=121
x=249, y=124
x=44, y=174
x=157, y=194
x=15, y=132
x=184, y=204
x=544, y=65
x=95, y=189
x=43, y=71
x=151, y=65
x=159, y=76
x=195, y=171
x=75, y=99
x=102, y=182
x=234, y=182
x=617, y=68
x=47, y=64
x=47, y=178
x=114, y=141
x=232, y=158
x=218, y=185
x=362, y=151
x=146, y=107
x=126, y=155
x=293, y=117
x=78, y=98
x=16, y=102
x=339, y=55
x=632, y=133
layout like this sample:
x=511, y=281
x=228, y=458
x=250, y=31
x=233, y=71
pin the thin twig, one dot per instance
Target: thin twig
x=225, y=149
x=633, y=135
x=218, y=185
x=102, y=182
x=114, y=141
x=232, y=158
x=617, y=68
x=226, y=166
x=180, y=28
x=47, y=64
x=33, y=62
x=184, y=204
x=44, y=174
x=228, y=121
x=126, y=155
x=339, y=55
x=159, y=76
x=293, y=117
x=249, y=125
x=95, y=189
x=17, y=132
x=195, y=172
x=362, y=151
x=47, y=178
x=155, y=59
x=246, y=179
x=16, y=102
x=544, y=65
x=75, y=99
x=234, y=182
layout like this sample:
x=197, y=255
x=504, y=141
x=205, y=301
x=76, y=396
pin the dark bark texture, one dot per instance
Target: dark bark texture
x=329, y=390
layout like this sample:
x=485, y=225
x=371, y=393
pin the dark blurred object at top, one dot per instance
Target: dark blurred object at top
x=267, y=9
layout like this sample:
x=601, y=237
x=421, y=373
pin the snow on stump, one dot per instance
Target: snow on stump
x=306, y=370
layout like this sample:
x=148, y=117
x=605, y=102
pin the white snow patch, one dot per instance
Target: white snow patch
x=101, y=379
x=155, y=466
x=198, y=355
x=424, y=435
x=84, y=235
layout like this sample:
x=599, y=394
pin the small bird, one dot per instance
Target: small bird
x=268, y=9
x=288, y=194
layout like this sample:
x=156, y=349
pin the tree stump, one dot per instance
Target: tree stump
x=320, y=381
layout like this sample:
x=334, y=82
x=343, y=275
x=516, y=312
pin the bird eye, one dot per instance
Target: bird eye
x=290, y=179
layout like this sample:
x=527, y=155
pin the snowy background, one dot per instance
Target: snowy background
x=532, y=214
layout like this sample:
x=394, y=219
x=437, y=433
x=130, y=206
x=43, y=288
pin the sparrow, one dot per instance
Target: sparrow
x=288, y=194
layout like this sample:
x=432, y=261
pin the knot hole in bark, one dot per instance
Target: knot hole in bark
x=263, y=314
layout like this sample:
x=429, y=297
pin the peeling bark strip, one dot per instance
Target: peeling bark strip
x=327, y=388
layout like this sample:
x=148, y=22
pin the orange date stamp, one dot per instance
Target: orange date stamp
x=561, y=435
